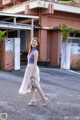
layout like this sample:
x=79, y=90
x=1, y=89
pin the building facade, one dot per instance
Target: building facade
x=51, y=15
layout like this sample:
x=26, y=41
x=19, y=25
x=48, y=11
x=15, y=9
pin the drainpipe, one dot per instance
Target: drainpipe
x=14, y=20
x=7, y=33
x=18, y=33
x=32, y=28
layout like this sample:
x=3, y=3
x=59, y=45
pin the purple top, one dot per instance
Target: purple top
x=31, y=56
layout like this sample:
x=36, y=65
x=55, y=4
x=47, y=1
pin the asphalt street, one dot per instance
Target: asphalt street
x=62, y=87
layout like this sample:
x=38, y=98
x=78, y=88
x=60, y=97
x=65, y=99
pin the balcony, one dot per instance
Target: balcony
x=4, y=5
x=13, y=2
x=68, y=2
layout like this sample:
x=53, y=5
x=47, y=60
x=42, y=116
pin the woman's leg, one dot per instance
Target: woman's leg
x=32, y=96
x=42, y=95
x=33, y=93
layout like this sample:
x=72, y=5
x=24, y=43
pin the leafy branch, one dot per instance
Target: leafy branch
x=2, y=35
x=66, y=30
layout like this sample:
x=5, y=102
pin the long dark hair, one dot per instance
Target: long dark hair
x=30, y=47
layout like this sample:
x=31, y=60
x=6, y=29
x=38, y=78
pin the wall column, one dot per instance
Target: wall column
x=43, y=45
x=55, y=47
x=43, y=39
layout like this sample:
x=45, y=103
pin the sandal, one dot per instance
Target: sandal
x=31, y=103
x=45, y=102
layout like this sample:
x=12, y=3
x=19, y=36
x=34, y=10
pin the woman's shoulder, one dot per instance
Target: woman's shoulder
x=36, y=52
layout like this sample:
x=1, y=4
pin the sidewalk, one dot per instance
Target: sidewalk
x=18, y=74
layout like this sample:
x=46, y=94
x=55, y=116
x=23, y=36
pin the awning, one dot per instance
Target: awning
x=12, y=21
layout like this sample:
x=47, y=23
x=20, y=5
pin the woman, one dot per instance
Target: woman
x=31, y=78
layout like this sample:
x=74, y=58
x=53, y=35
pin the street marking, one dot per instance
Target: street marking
x=73, y=71
x=71, y=118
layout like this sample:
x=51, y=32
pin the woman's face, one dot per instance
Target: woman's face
x=34, y=43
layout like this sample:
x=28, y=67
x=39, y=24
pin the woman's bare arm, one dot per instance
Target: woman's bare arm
x=35, y=59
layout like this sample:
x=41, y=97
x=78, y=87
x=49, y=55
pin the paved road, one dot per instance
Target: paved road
x=61, y=86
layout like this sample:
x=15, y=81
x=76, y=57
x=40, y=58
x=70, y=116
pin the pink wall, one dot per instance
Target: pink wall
x=64, y=18
x=74, y=58
x=6, y=58
x=43, y=45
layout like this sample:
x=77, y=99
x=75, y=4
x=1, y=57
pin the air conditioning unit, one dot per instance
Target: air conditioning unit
x=7, y=2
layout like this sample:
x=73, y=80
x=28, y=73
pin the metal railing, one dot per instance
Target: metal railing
x=4, y=24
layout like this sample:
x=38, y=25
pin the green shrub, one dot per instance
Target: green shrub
x=75, y=65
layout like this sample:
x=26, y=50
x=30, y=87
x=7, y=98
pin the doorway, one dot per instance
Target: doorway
x=54, y=47
x=23, y=47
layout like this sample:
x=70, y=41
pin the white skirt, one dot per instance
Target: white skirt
x=31, y=77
